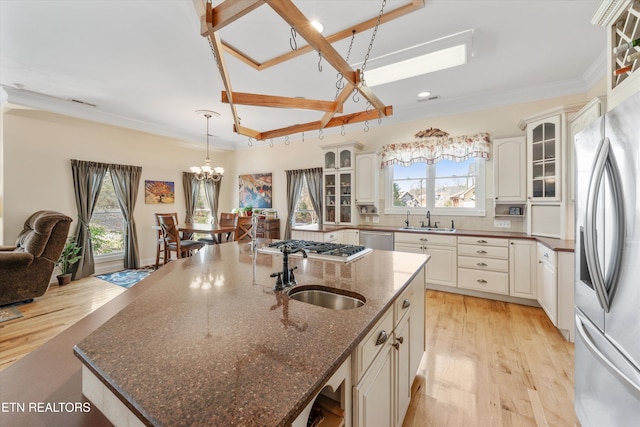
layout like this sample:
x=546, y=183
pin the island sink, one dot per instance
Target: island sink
x=326, y=297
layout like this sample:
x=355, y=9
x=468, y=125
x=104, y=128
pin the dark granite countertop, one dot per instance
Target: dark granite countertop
x=558, y=245
x=212, y=344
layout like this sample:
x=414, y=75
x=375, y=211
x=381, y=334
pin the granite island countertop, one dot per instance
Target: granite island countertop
x=211, y=343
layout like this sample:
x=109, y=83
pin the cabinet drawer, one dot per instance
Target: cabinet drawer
x=483, y=263
x=424, y=238
x=546, y=254
x=488, y=241
x=484, y=251
x=370, y=345
x=486, y=281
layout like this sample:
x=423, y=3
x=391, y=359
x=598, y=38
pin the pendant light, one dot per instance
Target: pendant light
x=206, y=172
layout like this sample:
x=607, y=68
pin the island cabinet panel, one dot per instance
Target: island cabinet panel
x=382, y=390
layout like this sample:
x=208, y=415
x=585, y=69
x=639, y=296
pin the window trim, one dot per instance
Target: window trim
x=479, y=210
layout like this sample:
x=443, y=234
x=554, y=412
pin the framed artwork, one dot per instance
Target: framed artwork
x=255, y=190
x=158, y=192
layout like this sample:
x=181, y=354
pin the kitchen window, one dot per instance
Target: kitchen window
x=304, y=212
x=107, y=222
x=444, y=188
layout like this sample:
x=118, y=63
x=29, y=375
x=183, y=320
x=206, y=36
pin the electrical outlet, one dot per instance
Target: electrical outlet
x=502, y=223
x=376, y=219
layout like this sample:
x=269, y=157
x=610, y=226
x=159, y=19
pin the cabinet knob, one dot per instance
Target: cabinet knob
x=406, y=303
x=382, y=338
x=396, y=345
x=481, y=241
x=481, y=281
x=481, y=264
x=400, y=340
x=424, y=239
x=481, y=252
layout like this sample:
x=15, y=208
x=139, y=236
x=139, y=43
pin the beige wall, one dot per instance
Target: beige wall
x=37, y=148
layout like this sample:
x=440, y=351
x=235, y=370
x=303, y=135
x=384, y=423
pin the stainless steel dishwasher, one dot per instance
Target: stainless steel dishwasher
x=377, y=240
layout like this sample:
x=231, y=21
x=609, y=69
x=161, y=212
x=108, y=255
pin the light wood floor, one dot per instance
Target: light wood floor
x=490, y=363
x=487, y=363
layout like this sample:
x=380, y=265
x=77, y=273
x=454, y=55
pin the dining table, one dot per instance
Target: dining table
x=214, y=230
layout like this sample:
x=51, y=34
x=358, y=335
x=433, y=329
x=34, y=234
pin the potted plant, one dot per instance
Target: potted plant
x=68, y=257
x=248, y=210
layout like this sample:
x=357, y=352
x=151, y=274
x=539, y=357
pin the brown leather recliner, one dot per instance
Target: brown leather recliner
x=26, y=268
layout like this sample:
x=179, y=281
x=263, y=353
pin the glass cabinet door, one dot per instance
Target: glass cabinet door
x=330, y=198
x=346, y=158
x=330, y=160
x=544, y=160
x=345, y=197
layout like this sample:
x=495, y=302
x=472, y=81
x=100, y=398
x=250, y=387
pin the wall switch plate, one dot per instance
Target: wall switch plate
x=376, y=219
x=502, y=223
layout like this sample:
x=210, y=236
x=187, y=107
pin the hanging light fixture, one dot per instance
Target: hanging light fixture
x=206, y=172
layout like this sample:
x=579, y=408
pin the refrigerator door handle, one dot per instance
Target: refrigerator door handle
x=591, y=253
x=592, y=346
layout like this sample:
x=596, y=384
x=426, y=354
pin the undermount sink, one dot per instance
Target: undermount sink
x=430, y=229
x=332, y=298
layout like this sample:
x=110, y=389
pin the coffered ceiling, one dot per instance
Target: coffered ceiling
x=144, y=64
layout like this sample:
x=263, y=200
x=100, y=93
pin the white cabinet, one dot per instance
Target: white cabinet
x=349, y=237
x=522, y=268
x=547, y=287
x=509, y=169
x=339, y=183
x=483, y=264
x=387, y=360
x=367, y=183
x=441, y=268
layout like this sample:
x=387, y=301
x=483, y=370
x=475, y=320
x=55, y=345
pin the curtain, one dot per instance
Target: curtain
x=212, y=191
x=433, y=149
x=87, y=181
x=191, y=187
x=126, y=180
x=294, y=185
x=314, y=183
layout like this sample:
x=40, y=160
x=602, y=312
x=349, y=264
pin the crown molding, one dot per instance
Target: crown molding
x=607, y=11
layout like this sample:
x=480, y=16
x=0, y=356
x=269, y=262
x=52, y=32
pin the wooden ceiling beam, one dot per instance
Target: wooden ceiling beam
x=258, y=100
x=229, y=11
x=317, y=125
x=340, y=100
x=295, y=18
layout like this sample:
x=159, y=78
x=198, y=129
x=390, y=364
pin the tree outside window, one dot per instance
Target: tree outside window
x=107, y=222
x=304, y=213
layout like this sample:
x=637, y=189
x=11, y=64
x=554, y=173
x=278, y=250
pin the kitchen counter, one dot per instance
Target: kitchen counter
x=212, y=344
x=558, y=245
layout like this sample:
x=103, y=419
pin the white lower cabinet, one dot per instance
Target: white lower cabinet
x=483, y=264
x=547, y=282
x=349, y=237
x=441, y=269
x=522, y=271
x=386, y=361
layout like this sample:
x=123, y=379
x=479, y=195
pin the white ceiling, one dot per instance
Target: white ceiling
x=144, y=65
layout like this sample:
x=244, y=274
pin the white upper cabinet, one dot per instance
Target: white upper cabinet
x=367, y=168
x=509, y=163
x=544, y=157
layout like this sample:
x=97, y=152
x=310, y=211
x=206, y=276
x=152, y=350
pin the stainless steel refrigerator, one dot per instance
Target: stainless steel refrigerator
x=607, y=279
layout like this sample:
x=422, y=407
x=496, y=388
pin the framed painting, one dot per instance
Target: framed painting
x=255, y=190
x=158, y=192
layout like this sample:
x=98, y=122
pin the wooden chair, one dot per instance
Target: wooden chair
x=226, y=219
x=160, y=244
x=243, y=230
x=172, y=240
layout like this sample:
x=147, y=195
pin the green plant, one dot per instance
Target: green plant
x=69, y=256
x=248, y=208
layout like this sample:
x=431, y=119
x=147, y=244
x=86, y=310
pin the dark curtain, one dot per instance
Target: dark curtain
x=212, y=191
x=294, y=185
x=191, y=187
x=126, y=180
x=87, y=181
x=314, y=183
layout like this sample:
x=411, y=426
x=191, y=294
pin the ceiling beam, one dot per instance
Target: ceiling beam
x=295, y=18
x=230, y=10
x=258, y=100
x=347, y=119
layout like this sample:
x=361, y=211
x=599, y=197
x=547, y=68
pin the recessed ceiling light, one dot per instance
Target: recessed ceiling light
x=318, y=26
x=424, y=94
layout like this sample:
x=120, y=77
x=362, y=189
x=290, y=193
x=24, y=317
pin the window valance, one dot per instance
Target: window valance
x=433, y=149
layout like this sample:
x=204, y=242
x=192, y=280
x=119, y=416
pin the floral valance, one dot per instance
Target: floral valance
x=433, y=149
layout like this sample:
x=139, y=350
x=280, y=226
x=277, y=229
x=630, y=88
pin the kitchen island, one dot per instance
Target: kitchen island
x=211, y=343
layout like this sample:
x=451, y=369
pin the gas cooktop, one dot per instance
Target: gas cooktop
x=318, y=250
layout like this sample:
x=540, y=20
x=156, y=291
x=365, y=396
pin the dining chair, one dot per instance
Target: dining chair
x=160, y=244
x=243, y=230
x=226, y=220
x=172, y=240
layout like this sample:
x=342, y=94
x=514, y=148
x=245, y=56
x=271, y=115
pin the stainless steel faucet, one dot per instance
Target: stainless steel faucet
x=285, y=278
x=429, y=219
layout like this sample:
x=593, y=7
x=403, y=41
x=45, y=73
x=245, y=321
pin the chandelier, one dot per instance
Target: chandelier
x=206, y=172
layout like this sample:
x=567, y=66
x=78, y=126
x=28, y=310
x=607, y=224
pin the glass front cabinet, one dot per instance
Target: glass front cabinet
x=544, y=159
x=339, y=183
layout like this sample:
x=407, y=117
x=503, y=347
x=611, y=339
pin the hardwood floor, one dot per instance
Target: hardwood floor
x=51, y=314
x=487, y=363
x=490, y=363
